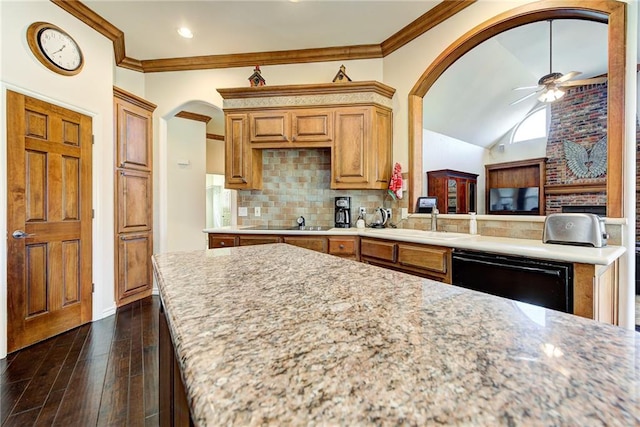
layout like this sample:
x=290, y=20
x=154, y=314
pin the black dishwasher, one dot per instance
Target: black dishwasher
x=545, y=283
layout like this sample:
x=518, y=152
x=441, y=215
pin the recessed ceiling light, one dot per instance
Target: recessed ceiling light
x=185, y=32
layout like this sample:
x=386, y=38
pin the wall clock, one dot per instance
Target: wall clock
x=55, y=48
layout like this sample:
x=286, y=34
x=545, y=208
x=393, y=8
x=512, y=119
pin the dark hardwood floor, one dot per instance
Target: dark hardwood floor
x=101, y=374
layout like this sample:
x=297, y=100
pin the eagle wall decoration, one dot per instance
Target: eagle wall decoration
x=586, y=164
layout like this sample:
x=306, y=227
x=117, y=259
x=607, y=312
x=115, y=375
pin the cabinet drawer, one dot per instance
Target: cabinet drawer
x=342, y=246
x=218, y=241
x=257, y=240
x=428, y=258
x=318, y=244
x=377, y=249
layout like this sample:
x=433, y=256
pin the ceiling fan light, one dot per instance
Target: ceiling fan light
x=551, y=94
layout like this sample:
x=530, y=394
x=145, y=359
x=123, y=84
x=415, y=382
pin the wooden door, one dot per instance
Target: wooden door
x=49, y=288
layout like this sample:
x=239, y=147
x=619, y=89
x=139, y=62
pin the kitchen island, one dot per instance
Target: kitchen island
x=275, y=334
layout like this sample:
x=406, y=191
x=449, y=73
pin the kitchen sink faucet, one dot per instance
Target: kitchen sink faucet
x=434, y=219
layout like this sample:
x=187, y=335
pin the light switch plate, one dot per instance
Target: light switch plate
x=404, y=213
x=256, y=211
x=242, y=212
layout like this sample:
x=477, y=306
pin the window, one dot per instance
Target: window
x=533, y=126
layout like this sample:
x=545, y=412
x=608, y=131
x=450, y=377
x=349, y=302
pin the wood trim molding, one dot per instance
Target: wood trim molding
x=307, y=89
x=133, y=99
x=301, y=56
x=215, y=137
x=193, y=116
x=610, y=12
x=596, y=187
x=428, y=20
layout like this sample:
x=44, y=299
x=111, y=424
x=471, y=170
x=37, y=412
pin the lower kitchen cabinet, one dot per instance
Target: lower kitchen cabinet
x=315, y=243
x=258, y=239
x=431, y=262
x=222, y=240
x=595, y=292
x=173, y=405
x=346, y=247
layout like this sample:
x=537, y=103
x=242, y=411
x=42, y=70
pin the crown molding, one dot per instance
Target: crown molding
x=433, y=17
x=133, y=99
x=215, y=137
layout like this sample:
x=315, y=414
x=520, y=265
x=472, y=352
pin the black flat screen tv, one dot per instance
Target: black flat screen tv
x=522, y=200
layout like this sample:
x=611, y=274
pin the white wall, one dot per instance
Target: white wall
x=186, y=191
x=89, y=92
x=215, y=156
x=451, y=153
x=511, y=152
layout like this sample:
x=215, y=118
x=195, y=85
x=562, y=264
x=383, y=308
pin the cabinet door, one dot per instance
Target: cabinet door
x=424, y=257
x=258, y=239
x=311, y=125
x=382, y=250
x=134, y=201
x=238, y=154
x=350, y=166
x=381, y=149
x=134, y=266
x=133, y=136
x=272, y=126
x=318, y=244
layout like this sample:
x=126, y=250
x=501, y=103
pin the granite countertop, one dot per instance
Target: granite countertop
x=498, y=245
x=280, y=335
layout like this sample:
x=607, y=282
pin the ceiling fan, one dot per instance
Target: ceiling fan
x=550, y=86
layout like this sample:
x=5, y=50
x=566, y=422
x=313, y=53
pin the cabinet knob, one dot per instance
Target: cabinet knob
x=221, y=243
x=341, y=246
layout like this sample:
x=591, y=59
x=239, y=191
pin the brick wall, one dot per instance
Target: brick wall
x=297, y=182
x=580, y=117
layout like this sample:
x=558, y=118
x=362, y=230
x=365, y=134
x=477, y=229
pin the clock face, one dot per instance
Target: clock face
x=60, y=49
x=54, y=48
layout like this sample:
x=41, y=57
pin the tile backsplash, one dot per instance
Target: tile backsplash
x=298, y=182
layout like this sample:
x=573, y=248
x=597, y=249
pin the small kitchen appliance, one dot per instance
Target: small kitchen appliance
x=578, y=229
x=380, y=217
x=343, y=212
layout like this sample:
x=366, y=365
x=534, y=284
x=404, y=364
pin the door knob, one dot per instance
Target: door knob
x=19, y=234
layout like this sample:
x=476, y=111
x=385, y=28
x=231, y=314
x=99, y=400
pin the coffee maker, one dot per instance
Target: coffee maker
x=343, y=212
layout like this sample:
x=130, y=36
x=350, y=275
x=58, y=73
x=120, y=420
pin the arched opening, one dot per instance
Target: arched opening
x=610, y=12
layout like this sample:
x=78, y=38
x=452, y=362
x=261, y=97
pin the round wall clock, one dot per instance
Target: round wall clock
x=55, y=48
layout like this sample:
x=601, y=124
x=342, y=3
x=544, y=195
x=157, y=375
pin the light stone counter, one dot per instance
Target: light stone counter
x=279, y=335
x=498, y=245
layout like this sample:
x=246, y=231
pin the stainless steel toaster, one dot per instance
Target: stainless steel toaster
x=580, y=229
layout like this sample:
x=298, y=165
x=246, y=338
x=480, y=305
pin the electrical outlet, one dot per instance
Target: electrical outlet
x=388, y=214
x=256, y=211
x=242, y=212
x=404, y=213
x=363, y=210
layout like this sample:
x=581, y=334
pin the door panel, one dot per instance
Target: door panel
x=49, y=198
x=134, y=207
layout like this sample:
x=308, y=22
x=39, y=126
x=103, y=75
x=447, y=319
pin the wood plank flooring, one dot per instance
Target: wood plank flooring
x=101, y=374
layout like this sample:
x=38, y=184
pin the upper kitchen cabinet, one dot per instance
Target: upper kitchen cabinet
x=305, y=127
x=362, y=157
x=353, y=119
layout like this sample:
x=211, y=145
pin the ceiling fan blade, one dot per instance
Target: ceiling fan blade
x=517, y=101
x=527, y=87
x=568, y=76
x=591, y=81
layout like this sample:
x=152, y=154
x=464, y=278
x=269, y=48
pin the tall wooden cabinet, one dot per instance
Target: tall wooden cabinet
x=133, y=197
x=456, y=191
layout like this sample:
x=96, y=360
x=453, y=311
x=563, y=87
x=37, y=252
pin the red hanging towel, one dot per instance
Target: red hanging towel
x=395, y=184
